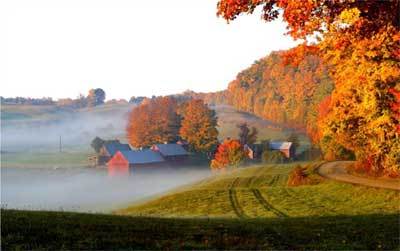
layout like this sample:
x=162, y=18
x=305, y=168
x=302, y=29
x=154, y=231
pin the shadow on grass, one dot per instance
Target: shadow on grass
x=61, y=230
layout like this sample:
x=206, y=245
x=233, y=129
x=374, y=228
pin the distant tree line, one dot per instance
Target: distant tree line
x=95, y=97
x=27, y=101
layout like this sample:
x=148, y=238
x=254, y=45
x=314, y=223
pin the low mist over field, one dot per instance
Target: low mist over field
x=27, y=130
x=76, y=189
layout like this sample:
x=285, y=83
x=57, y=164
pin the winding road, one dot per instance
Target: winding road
x=337, y=171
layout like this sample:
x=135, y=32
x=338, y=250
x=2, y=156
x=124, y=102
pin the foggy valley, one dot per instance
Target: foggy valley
x=85, y=189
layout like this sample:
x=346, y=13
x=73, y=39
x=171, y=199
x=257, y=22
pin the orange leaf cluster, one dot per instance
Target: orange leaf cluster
x=229, y=153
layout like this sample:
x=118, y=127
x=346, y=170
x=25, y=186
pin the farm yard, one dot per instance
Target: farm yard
x=31, y=133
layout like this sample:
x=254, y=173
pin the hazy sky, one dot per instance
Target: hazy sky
x=127, y=47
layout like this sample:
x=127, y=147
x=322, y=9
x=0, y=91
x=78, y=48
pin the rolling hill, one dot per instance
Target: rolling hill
x=246, y=209
x=261, y=191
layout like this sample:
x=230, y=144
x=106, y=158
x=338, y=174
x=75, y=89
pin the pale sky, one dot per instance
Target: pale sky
x=58, y=49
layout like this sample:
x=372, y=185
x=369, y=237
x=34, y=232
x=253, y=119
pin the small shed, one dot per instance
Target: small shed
x=285, y=147
x=171, y=152
x=254, y=151
x=124, y=161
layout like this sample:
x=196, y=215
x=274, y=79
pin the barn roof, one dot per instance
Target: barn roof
x=113, y=147
x=142, y=156
x=171, y=149
x=280, y=145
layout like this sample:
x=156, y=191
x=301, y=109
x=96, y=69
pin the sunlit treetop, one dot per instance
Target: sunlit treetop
x=306, y=17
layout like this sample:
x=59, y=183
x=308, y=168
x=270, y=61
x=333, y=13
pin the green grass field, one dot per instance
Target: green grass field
x=29, y=230
x=262, y=192
x=45, y=159
x=249, y=208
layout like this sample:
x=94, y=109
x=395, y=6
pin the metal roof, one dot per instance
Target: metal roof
x=280, y=145
x=171, y=149
x=113, y=147
x=142, y=156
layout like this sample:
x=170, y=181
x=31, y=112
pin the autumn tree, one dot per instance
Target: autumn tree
x=199, y=125
x=245, y=135
x=97, y=143
x=294, y=138
x=96, y=97
x=360, y=40
x=229, y=154
x=155, y=121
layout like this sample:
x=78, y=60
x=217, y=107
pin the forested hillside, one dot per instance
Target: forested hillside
x=285, y=87
x=359, y=41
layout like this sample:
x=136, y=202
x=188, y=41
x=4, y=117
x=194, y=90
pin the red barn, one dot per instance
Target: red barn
x=124, y=161
x=109, y=149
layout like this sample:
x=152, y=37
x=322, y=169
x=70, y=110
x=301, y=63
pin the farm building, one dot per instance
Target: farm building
x=184, y=144
x=174, y=153
x=254, y=151
x=285, y=147
x=109, y=149
x=112, y=147
x=125, y=161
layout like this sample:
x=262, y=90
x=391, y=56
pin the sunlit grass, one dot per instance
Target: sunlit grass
x=262, y=192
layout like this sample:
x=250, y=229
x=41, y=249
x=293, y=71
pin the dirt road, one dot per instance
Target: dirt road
x=337, y=171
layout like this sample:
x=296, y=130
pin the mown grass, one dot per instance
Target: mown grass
x=45, y=159
x=262, y=192
x=30, y=230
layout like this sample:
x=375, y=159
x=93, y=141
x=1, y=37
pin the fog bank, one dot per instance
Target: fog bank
x=84, y=189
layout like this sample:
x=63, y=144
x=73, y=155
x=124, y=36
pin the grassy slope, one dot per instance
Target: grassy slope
x=262, y=192
x=325, y=216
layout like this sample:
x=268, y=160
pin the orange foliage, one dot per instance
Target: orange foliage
x=283, y=90
x=229, y=153
x=360, y=43
x=297, y=54
x=199, y=125
x=297, y=177
x=155, y=121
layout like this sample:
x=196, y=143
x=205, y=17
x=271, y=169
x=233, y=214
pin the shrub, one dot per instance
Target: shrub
x=229, y=154
x=297, y=177
x=273, y=157
x=306, y=175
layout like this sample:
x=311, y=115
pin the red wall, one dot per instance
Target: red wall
x=118, y=165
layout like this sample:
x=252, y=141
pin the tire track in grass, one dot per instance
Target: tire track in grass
x=255, y=176
x=267, y=206
x=234, y=200
x=274, y=180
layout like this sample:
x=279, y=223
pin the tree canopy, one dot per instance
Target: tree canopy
x=245, y=135
x=199, y=126
x=155, y=121
x=360, y=43
x=230, y=153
